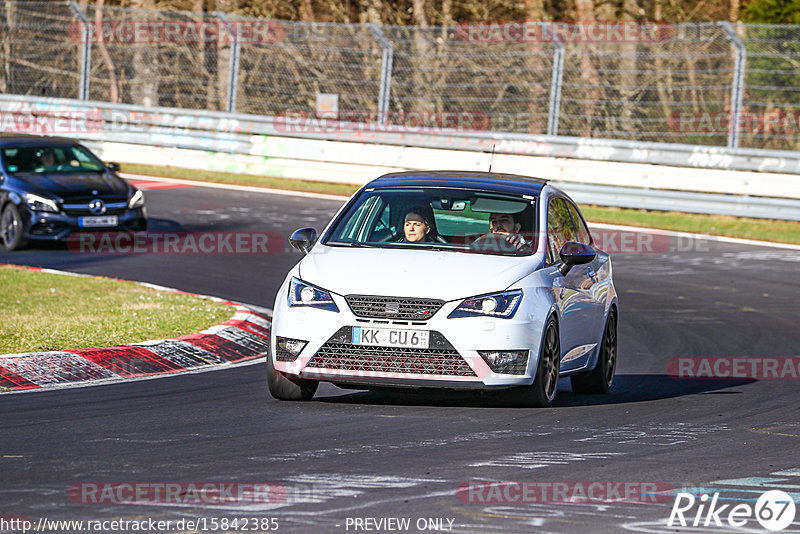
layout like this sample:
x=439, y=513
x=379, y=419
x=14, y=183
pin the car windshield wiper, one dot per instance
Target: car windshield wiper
x=351, y=244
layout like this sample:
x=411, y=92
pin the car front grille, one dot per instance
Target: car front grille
x=440, y=359
x=81, y=208
x=410, y=309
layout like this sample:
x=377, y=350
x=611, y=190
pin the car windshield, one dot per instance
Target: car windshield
x=49, y=159
x=438, y=219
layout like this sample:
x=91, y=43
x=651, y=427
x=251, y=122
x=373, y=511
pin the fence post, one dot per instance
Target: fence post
x=555, y=88
x=86, y=50
x=737, y=89
x=386, y=73
x=233, y=74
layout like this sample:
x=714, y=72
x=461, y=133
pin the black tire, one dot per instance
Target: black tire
x=545, y=384
x=286, y=389
x=601, y=378
x=11, y=228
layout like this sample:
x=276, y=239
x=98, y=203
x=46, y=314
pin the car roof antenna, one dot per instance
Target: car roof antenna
x=491, y=160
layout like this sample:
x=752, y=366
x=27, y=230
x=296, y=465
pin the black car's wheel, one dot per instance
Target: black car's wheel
x=545, y=384
x=602, y=376
x=283, y=388
x=11, y=228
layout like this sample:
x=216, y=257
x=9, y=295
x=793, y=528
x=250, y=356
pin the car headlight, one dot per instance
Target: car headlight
x=501, y=305
x=137, y=200
x=303, y=294
x=38, y=203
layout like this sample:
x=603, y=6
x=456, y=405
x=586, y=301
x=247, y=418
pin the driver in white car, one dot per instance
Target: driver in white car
x=506, y=224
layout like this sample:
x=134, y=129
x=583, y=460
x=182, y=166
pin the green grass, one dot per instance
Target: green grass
x=45, y=311
x=271, y=182
x=722, y=225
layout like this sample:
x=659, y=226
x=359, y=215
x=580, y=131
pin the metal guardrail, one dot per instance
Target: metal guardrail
x=600, y=80
x=195, y=129
x=682, y=201
x=235, y=134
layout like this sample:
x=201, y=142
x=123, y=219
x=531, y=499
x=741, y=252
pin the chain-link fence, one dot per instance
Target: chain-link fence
x=707, y=84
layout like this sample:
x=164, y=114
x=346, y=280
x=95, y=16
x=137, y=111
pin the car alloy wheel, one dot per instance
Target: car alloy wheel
x=11, y=228
x=545, y=385
x=600, y=379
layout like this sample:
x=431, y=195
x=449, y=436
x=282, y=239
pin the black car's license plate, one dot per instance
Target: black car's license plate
x=97, y=222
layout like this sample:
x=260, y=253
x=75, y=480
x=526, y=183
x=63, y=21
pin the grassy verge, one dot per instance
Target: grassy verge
x=273, y=182
x=44, y=311
x=722, y=225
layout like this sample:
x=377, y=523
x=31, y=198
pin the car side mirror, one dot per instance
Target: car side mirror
x=574, y=253
x=303, y=239
x=113, y=167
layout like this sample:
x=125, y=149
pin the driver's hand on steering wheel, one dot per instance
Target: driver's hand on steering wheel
x=515, y=240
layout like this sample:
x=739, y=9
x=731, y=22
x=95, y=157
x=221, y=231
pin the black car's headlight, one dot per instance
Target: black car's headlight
x=39, y=203
x=501, y=305
x=304, y=294
x=137, y=200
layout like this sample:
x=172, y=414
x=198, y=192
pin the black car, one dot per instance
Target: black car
x=51, y=187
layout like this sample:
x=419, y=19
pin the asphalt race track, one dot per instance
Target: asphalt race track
x=348, y=461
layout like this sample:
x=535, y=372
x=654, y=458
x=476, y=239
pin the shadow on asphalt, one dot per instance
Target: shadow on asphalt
x=626, y=389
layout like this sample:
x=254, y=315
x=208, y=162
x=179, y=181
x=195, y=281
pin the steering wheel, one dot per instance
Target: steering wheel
x=493, y=243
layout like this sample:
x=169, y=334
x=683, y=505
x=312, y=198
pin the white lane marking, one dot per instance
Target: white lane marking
x=764, y=255
x=652, y=434
x=373, y=448
x=536, y=460
x=708, y=237
x=247, y=188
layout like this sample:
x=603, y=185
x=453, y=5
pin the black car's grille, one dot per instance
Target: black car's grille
x=80, y=208
x=440, y=359
x=409, y=309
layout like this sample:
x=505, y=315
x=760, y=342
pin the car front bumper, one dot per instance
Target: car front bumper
x=49, y=226
x=451, y=361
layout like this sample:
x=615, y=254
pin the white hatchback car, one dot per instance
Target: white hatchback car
x=447, y=279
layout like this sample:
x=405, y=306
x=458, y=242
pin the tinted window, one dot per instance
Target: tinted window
x=51, y=159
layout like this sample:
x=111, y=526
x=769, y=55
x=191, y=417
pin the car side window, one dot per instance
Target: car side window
x=559, y=228
x=583, y=235
x=359, y=223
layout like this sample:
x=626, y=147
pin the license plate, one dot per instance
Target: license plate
x=95, y=222
x=390, y=337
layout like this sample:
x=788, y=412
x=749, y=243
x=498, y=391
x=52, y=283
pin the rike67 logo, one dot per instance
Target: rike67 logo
x=774, y=510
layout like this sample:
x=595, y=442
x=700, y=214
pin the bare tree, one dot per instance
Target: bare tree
x=112, y=75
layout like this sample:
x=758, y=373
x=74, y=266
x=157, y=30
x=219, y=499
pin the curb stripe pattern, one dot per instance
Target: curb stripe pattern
x=245, y=336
